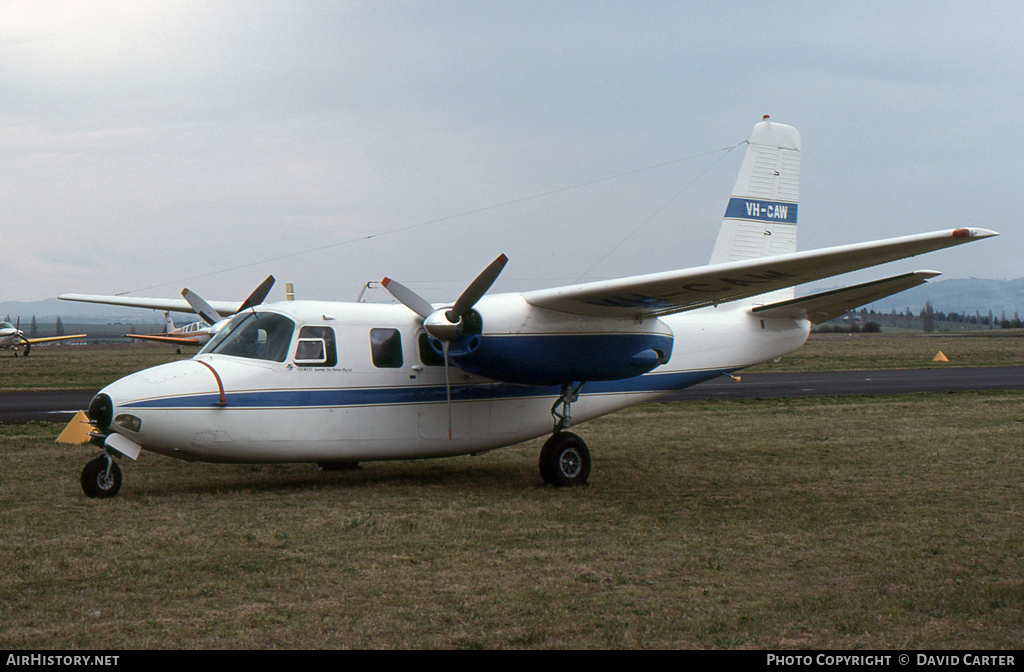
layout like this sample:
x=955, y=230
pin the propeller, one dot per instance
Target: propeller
x=202, y=308
x=445, y=324
x=258, y=294
x=205, y=311
x=21, y=335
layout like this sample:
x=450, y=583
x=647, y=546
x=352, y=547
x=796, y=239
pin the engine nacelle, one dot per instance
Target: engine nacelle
x=543, y=347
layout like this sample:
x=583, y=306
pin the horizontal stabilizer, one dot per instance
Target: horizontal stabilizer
x=658, y=294
x=825, y=306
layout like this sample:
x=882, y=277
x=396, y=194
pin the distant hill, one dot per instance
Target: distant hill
x=960, y=296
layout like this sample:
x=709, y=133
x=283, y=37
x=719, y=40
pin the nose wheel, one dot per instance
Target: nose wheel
x=565, y=460
x=101, y=478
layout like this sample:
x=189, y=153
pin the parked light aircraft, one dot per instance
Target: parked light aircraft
x=339, y=383
x=12, y=338
x=193, y=333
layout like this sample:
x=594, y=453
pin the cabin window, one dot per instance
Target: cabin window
x=386, y=347
x=428, y=355
x=311, y=351
x=316, y=347
x=254, y=336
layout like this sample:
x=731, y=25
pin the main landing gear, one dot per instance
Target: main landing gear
x=565, y=458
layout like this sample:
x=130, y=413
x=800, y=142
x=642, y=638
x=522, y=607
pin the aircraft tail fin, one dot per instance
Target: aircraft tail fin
x=760, y=220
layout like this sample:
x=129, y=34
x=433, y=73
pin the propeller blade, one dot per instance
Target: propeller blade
x=201, y=307
x=408, y=298
x=260, y=293
x=477, y=289
x=446, y=325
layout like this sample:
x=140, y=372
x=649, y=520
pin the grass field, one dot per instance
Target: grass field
x=859, y=522
x=89, y=367
x=870, y=522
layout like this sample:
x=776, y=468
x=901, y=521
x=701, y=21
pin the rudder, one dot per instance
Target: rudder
x=760, y=219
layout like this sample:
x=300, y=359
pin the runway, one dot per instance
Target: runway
x=61, y=405
x=843, y=383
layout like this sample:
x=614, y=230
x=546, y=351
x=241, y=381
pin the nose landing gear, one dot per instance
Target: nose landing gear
x=101, y=477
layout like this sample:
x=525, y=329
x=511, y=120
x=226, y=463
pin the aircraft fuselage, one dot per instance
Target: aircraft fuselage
x=381, y=393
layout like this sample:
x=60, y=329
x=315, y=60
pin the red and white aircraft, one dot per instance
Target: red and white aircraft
x=193, y=333
x=340, y=383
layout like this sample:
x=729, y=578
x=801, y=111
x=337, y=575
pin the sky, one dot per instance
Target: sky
x=147, y=147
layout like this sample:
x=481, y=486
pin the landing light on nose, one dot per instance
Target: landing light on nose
x=129, y=422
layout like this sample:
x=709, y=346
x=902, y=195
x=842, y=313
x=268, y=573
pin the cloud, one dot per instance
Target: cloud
x=146, y=144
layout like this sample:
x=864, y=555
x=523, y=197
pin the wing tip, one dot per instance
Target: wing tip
x=973, y=233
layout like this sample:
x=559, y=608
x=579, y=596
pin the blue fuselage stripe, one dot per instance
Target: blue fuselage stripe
x=422, y=394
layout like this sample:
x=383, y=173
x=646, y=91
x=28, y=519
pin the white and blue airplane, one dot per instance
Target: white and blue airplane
x=341, y=383
x=12, y=338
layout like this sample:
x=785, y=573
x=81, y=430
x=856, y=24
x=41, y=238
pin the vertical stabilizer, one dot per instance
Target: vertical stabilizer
x=760, y=219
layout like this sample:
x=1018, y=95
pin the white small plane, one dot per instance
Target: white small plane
x=193, y=333
x=339, y=383
x=12, y=338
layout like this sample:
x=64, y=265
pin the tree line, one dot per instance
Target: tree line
x=927, y=320
x=33, y=328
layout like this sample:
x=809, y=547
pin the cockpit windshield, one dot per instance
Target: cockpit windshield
x=254, y=336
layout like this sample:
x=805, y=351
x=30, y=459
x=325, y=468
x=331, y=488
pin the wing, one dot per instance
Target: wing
x=175, y=305
x=677, y=291
x=825, y=306
x=224, y=308
x=33, y=341
x=160, y=338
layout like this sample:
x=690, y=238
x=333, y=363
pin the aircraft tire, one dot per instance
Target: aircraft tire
x=95, y=483
x=565, y=460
